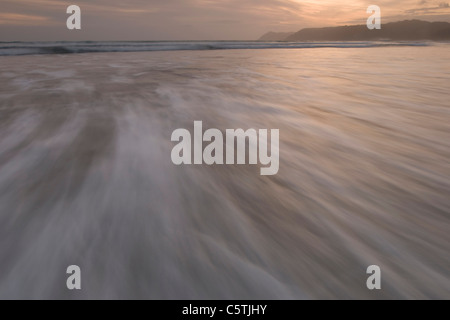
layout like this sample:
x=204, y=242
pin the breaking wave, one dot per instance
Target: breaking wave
x=34, y=48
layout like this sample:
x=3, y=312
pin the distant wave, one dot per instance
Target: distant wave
x=32, y=48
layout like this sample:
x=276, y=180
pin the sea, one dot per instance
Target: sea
x=86, y=176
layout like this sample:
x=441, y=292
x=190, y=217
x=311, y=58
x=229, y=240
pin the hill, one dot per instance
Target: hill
x=275, y=36
x=408, y=30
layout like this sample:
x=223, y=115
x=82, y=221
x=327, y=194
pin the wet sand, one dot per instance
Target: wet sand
x=86, y=176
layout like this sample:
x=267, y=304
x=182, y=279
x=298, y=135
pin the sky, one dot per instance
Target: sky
x=45, y=20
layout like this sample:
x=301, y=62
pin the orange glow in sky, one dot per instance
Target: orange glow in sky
x=197, y=19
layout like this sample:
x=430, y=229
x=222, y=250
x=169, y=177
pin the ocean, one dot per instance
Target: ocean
x=65, y=47
x=86, y=176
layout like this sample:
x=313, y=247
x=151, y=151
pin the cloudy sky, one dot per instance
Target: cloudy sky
x=42, y=20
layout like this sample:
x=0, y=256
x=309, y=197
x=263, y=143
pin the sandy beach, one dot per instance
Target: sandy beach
x=86, y=176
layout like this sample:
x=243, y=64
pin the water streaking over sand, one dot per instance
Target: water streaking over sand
x=86, y=176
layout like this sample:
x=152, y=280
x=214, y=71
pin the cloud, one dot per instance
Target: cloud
x=15, y=19
x=430, y=8
x=195, y=19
